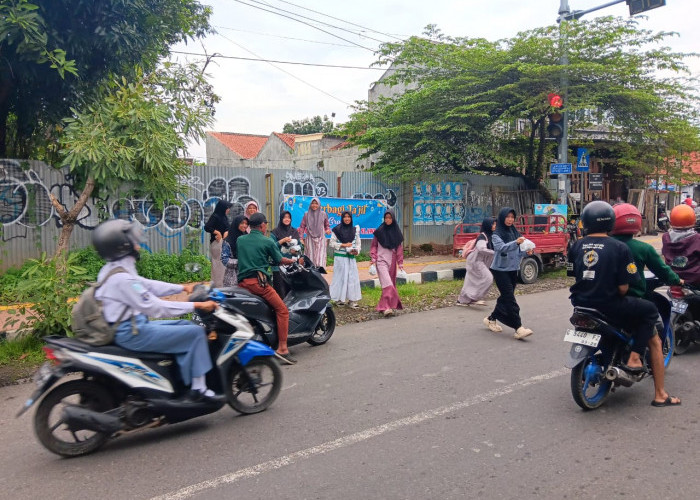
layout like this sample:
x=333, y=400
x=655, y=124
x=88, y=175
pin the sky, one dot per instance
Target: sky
x=260, y=97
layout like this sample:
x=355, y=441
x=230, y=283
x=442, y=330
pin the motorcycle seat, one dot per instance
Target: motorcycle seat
x=605, y=322
x=112, y=349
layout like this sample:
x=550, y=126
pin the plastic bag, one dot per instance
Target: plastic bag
x=527, y=245
x=373, y=270
x=401, y=274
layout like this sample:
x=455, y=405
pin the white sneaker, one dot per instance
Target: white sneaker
x=492, y=325
x=522, y=332
x=388, y=312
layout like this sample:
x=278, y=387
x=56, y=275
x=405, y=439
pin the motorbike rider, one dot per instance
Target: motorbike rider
x=681, y=245
x=628, y=222
x=129, y=300
x=256, y=252
x=604, y=269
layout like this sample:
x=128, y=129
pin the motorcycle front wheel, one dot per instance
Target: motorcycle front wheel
x=682, y=338
x=55, y=434
x=325, y=328
x=589, y=387
x=253, y=388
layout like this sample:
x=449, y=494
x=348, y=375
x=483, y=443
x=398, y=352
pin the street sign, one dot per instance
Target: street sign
x=639, y=6
x=560, y=168
x=582, y=160
x=595, y=182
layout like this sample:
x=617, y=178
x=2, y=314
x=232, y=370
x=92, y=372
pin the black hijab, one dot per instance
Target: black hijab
x=234, y=233
x=345, y=232
x=390, y=236
x=506, y=233
x=218, y=220
x=283, y=230
x=487, y=232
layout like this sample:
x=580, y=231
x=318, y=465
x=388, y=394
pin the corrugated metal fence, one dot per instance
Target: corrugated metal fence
x=29, y=224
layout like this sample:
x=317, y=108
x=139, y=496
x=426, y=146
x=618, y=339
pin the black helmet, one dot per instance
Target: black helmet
x=598, y=217
x=117, y=238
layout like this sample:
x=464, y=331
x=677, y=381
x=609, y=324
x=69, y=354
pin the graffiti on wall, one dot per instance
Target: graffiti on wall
x=375, y=190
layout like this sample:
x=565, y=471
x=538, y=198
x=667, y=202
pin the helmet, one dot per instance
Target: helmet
x=117, y=238
x=682, y=216
x=628, y=220
x=598, y=217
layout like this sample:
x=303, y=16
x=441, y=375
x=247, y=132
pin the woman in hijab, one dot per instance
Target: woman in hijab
x=249, y=209
x=387, y=253
x=315, y=226
x=283, y=233
x=216, y=226
x=345, y=242
x=506, y=262
x=478, y=279
x=229, y=250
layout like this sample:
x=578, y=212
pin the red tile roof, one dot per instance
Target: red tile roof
x=340, y=146
x=288, y=139
x=244, y=145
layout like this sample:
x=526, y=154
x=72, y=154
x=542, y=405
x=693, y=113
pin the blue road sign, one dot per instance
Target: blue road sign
x=560, y=168
x=582, y=160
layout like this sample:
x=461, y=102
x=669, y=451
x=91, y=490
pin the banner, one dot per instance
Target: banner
x=368, y=214
x=550, y=209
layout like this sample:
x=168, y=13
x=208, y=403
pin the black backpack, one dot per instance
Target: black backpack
x=87, y=318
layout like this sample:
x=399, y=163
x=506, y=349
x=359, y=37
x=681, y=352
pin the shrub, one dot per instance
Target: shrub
x=426, y=247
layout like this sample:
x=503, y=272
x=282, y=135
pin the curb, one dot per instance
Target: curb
x=422, y=277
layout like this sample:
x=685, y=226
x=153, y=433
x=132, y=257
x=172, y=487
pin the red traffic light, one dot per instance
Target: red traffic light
x=555, y=100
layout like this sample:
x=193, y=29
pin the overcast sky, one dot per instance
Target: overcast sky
x=259, y=97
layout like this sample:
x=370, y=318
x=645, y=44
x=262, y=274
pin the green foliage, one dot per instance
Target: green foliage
x=25, y=350
x=426, y=247
x=309, y=126
x=173, y=268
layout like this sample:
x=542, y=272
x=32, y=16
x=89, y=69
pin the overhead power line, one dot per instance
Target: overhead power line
x=260, y=59
x=286, y=37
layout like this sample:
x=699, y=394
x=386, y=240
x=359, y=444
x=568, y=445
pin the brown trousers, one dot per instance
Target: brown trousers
x=268, y=293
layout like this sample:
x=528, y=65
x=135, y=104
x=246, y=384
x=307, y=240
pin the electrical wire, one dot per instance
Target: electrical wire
x=286, y=37
x=260, y=59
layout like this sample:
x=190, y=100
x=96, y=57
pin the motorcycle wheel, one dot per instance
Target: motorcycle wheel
x=324, y=329
x=54, y=434
x=681, y=339
x=589, y=386
x=266, y=380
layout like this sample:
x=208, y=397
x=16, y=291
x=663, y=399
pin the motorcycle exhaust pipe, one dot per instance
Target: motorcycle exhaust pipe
x=78, y=418
x=621, y=377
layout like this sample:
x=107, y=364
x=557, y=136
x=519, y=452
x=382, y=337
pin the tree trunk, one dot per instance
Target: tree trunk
x=69, y=218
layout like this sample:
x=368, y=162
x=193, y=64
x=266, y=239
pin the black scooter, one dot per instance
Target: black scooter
x=311, y=316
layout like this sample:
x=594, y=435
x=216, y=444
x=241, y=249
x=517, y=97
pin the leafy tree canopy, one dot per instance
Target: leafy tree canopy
x=476, y=105
x=56, y=54
x=309, y=126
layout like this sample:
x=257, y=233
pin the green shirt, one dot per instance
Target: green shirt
x=646, y=255
x=255, y=253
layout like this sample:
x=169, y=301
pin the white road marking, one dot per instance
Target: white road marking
x=278, y=463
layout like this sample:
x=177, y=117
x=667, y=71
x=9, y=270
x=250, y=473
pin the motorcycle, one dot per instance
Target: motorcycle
x=662, y=218
x=311, y=316
x=685, y=315
x=123, y=391
x=599, y=349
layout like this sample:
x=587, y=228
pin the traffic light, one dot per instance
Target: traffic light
x=639, y=6
x=555, y=128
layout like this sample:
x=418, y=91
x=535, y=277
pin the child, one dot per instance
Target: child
x=604, y=269
x=681, y=245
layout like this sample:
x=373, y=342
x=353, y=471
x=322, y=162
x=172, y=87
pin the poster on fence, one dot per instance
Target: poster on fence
x=368, y=214
x=438, y=203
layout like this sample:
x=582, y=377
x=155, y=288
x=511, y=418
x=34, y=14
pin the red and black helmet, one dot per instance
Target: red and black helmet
x=628, y=220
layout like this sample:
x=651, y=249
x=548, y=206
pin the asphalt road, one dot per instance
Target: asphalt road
x=421, y=406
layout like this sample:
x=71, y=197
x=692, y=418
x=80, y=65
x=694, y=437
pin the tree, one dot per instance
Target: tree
x=56, y=54
x=469, y=98
x=309, y=126
x=133, y=135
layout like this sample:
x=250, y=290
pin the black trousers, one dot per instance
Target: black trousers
x=507, y=310
x=636, y=316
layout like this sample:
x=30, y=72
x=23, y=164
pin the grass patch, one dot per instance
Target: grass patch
x=23, y=350
x=553, y=272
x=413, y=294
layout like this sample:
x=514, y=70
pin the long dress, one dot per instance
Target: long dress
x=345, y=284
x=314, y=226
x=478, y=279
x=387, y=260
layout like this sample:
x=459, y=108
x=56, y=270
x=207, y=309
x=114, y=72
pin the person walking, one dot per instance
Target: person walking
x=314, y=226
x=283, y=233
x=387, y=253
x=478, y=278
x=506, y=262
x=345, y=242
x=216, y=226
x=229, y=250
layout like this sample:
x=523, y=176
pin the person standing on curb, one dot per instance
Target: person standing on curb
x=217, y=227
x=314, y=226
x=505, y=266
x=387, y=253
x=478, y=278
x=283, y=234
x=345, y=242
x=229, y=250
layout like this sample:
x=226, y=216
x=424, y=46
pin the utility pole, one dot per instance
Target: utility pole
x=562, y=191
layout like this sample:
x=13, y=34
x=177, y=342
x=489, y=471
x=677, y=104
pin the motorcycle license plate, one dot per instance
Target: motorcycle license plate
x=679, y=306
x=585, y=338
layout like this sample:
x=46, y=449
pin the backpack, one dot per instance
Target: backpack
x=87, y=319
x=469, y=247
